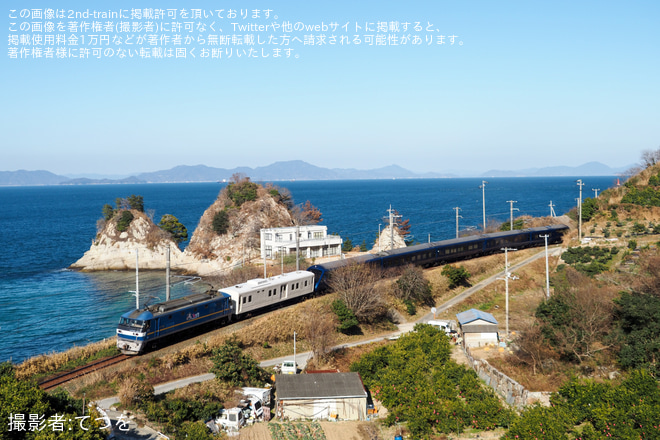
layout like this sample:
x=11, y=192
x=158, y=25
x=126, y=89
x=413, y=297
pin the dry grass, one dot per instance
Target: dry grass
x=534, y=382
x=53, y=362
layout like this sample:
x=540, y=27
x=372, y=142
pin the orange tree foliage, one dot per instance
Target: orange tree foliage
x=590, y=410
x=420, y=385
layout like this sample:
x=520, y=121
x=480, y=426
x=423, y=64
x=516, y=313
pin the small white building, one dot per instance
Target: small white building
x=478, y=328
x=313, y=242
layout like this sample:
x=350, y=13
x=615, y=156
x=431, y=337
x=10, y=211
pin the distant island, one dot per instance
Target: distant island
x=291, y=170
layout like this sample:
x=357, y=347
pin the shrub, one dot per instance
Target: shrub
x=348, y=323
x=639, y=228
x=220, y=222
x=236, y=368
x=457, y=275
x=242, y=191
x=124, y=221
x=517, y=224
x=413, y=287
x=135, y=392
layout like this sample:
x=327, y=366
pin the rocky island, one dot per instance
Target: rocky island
x=228, y=232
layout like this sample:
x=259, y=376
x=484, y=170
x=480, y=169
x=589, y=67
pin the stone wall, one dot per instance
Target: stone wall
x=514, y=393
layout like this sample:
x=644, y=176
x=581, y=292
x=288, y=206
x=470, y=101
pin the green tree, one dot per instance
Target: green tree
x=420, y=385
x=136, y=202
x=638, y=319
x=347, y=245
x=348, y=323
x=539, y=422
x=233, y=366
x=124, y=221
x=108, y=211
x=457, y=276
x=220, y=222
x=172, y=225
x=589, y=208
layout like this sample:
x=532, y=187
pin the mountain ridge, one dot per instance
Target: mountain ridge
x=291, y=170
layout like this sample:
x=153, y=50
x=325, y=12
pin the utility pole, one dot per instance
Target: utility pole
x=507, y=275
x=392, y=220
x=580, y=184
x=294, y=353
x=297, y=248
x=379, y=238
x=457, y=216
x=511, y=202
x=595, y=190
x=282, y=260
x=552, y=210
x=547, y=270
x=167, y=276
x=137, y=282
x=483, y=197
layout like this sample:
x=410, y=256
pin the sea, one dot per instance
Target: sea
x=46, y=307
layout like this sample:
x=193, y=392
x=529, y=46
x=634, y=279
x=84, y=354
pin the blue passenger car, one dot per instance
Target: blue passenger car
x=446, y=251
x=139, y=328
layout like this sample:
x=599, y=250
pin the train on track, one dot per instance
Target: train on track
x=140, y=328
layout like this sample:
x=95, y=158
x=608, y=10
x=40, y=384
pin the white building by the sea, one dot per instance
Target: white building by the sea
x=313, y=242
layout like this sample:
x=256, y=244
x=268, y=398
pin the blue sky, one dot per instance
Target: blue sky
x=532, y=84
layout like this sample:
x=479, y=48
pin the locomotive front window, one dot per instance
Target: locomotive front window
x=132, y=323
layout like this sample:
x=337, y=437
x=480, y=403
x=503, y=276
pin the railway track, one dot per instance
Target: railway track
x=53, y=382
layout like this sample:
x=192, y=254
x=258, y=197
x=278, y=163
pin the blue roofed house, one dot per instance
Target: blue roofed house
x=478, y=328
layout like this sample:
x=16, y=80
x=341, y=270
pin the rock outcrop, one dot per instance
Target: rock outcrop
x=115, y=250
x=208, y=252
x=385, y=242
x=241, y=242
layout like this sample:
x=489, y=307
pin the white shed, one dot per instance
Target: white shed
x=478, y=328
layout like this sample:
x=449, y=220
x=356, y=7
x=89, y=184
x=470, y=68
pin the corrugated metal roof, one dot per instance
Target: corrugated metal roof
x=474, y=314
x=319, y=386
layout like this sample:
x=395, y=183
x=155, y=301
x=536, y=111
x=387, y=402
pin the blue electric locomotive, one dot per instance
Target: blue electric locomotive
x=139, y=328
x=446, y=251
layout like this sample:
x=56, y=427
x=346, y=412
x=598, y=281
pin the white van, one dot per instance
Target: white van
x=445, y=326
x=289, y=367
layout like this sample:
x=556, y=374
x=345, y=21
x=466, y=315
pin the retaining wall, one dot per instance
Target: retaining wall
x=514, y=393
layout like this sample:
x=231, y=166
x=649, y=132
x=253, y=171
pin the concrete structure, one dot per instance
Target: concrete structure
x=326, y=396
x=477, y=328
x=314, y=242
